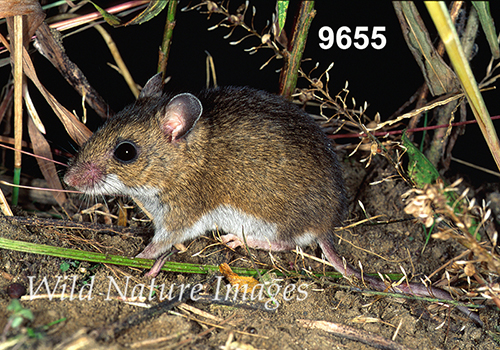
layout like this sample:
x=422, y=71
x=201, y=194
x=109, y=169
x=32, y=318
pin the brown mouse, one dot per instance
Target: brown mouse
x=233, y=158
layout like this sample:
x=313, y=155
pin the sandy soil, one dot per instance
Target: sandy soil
x=380, y=248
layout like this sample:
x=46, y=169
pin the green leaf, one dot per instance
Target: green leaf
x=31, y=332
x=282, y=7
x=16, y=321
x=422, y=172
x=34, y=333
x=14, y=306
x=420, y=169
x=54, y=322
x=108, y=17
x=64, y=266
x=484, y=14
x=26, y=313
x=153, y=9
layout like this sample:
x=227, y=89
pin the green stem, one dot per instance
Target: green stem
x=167, y=37
x=15, y=190
x=423, y=134
x=293, y=56
x=171, y=266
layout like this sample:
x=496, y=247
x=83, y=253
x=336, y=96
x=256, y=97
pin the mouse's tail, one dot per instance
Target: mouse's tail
x=347, y=270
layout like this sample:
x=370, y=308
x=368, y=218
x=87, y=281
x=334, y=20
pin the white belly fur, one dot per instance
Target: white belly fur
x=224, y=217
x=233, y=221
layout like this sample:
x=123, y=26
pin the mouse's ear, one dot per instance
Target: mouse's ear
x=180, y=115
x=153, y=88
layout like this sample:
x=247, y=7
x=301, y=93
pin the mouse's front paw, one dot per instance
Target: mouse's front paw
x=232, y=241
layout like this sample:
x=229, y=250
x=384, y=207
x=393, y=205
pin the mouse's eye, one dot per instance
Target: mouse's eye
x=126, y=152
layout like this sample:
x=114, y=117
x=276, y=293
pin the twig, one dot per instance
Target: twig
x=488, y=171
x=352, y=334
x=110, y=332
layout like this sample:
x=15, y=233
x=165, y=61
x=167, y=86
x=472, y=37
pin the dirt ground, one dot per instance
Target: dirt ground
x=207, y=325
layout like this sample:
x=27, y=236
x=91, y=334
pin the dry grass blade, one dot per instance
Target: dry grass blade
x=76, y=130
x=352, y=334
x=32, y=110
x=41, y=147
x=439, y=77
x=118, y=59
x=51, y=49
x=440, y=101
x=4, y=205
x=16, y=37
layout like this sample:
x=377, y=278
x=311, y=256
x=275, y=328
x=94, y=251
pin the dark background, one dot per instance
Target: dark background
x=384, y=78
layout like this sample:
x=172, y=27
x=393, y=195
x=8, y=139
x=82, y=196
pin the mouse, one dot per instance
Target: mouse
x=244, y=161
